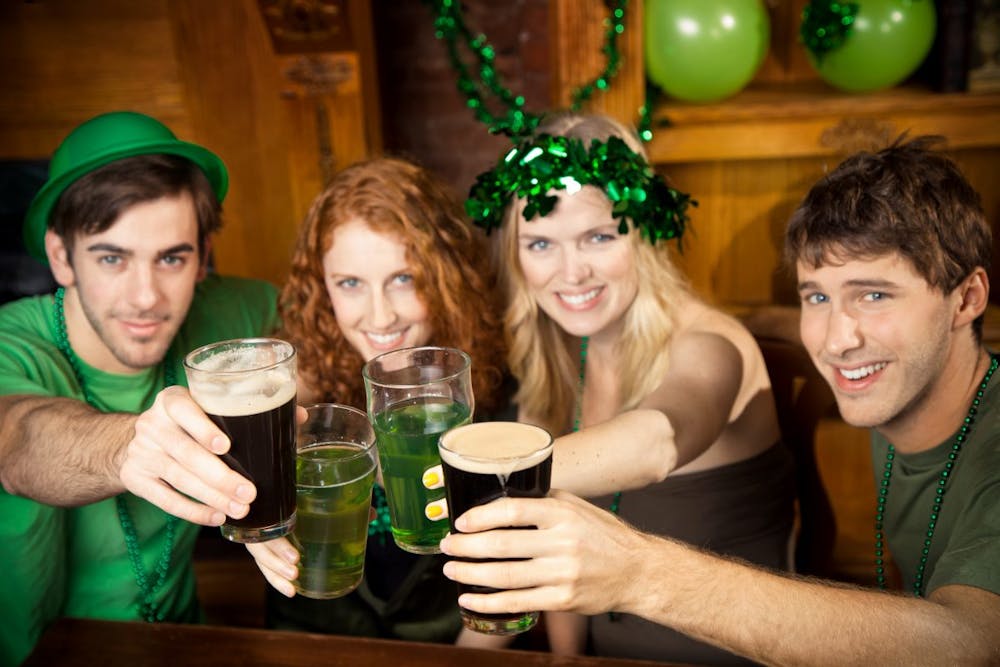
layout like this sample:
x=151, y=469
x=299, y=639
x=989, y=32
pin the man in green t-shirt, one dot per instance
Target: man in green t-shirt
x=107, y=464
x=892, y=251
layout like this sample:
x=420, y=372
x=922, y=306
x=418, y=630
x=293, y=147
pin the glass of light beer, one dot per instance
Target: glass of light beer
x=246, y=386
x=335, y=471
x=486, y=461
x=414, y=395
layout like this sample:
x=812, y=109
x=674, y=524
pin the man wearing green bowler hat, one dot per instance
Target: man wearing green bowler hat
x=107, y=464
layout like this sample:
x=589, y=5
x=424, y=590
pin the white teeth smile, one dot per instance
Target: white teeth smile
x=579, y=299
x=385, y=339
x=863, y=372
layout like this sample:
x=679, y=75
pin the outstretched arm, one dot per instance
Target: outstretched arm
x=584, y=559
x=61, y=452
x=679, y=421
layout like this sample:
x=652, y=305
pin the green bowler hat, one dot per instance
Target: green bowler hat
x=104, y=139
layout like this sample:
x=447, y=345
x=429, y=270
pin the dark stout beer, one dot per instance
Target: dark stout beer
x=263, y=451
x=247, y=388
x=486, y=461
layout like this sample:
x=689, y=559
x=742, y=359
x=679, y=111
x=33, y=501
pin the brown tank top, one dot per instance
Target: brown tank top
x=744, y=509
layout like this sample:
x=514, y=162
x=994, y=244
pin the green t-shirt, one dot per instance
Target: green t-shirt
x=73, y=562
x=965, y=548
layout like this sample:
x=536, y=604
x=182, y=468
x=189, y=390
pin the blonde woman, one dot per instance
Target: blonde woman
x=663, y=402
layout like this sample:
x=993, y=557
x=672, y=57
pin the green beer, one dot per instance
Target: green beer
x=407, y=435
x=333, y=494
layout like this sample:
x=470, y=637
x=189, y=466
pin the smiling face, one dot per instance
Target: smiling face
x=879, y=334
x=372, y=291
x=129, y=287
x=580, y=270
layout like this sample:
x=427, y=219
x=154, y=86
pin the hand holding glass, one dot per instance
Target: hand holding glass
x=247, y=388
x=486, y=461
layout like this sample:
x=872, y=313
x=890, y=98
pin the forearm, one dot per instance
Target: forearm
x=59, y=451
x=630, y=451
x=782, y=620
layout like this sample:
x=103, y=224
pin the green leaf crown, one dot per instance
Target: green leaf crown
x=534, y=167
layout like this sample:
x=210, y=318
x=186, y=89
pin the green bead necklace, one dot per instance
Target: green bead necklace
x=617, y=500
x=942, y=487
x=584, y=342
x=381, y=525
x=148, y=586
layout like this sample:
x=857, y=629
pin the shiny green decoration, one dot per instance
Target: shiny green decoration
x=886, y=42
x=514, y=120
x=702, y=51
x=536, y=166
x=826, y=26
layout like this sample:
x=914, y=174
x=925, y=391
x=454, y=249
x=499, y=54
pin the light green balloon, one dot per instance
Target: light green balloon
x=704, y=50
x=889, y=40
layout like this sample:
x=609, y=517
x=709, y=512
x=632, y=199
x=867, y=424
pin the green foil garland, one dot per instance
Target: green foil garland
x=535, y=167
x=515, y=121
x=826, y=26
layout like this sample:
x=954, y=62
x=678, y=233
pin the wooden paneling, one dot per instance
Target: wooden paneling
x=210, y=72
x=63, y=61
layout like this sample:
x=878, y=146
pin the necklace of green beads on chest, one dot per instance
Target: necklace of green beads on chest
x=149, y=583
x=939, y=491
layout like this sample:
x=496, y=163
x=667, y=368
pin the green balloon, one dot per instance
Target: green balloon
x=889, y=40
x=704, y=50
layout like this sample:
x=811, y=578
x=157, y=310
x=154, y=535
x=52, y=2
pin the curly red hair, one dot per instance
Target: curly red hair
x=446, y=256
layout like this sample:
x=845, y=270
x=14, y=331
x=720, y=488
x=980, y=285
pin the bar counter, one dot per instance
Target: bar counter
x=86, y=642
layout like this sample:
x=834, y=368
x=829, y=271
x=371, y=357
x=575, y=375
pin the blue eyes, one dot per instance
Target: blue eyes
x=595, y=238
x=817, y=298
x=404, y=279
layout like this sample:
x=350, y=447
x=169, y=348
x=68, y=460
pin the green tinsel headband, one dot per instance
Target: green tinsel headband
x=536, y=166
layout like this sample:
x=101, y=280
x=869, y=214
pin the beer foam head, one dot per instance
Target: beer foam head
x=234, y=396
x=242, y=377
x=495, y=447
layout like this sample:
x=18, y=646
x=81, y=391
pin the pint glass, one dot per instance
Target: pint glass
x=414, y=395
x=486, y=461
x=335, y=471
x=246, y=387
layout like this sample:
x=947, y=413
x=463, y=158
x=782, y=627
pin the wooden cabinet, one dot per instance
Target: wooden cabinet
x=749, y=159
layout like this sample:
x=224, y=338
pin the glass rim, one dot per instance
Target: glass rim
x=363, y=450
x=497, y=459
x=466, y=365
x=189, y=364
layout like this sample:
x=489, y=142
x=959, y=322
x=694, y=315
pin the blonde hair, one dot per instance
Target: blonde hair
x=540, y=354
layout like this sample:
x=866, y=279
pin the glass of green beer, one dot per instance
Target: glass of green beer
x=335, y=471
x=414, y=395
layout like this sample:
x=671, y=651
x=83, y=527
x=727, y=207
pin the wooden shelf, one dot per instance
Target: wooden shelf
x=811, y=119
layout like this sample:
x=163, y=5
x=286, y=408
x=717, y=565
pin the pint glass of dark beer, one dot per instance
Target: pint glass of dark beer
x=247, y=388
x=486, y=461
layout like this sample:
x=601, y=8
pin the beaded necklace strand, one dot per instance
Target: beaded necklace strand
x=942, y=487
x=617, y=500
x=584, y=342
x=149, y=584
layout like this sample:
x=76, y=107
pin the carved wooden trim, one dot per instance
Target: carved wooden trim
x=307, y=26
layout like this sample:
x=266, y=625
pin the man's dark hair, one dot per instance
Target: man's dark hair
x=907, y=199
x=93, y=203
